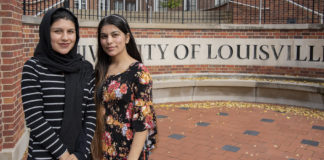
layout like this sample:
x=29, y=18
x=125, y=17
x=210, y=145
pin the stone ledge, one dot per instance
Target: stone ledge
x=238, y=83
x=298, y=91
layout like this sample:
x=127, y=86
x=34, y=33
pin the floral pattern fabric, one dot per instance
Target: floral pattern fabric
x=127, y=98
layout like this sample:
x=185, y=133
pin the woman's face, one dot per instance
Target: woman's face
x=63, y=36
x=113, y=40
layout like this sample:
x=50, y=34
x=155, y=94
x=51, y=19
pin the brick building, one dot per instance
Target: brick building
x=215, y=11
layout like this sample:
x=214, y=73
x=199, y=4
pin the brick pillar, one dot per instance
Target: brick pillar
x=12, y=124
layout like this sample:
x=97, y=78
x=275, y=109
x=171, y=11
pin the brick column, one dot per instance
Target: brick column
x=12, y=124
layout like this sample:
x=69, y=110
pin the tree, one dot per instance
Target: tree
x=171, y=3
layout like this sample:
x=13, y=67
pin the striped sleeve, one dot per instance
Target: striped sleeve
x=33, y=105
x=89, y=122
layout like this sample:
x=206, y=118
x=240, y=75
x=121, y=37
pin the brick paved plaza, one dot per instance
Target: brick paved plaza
x=266, y=132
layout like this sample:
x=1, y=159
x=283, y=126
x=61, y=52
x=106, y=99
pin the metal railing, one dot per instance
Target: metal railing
x=190, y=11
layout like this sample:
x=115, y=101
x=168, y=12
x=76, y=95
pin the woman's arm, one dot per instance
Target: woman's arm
x=143, y=118
x=137, y=145
x=32, y=99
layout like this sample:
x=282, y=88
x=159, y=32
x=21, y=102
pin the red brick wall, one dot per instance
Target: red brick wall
x=217, y=33
x=30, y=40
x=275, y=12
x=212, y=33
x=11, y=42
x=88, y=33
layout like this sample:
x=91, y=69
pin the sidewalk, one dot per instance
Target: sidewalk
x=238, y=131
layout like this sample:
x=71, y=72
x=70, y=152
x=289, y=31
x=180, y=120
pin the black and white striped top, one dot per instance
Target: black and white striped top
x=43, y=101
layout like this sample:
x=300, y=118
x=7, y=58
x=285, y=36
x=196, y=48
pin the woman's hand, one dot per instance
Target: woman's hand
x=64, y=156
x=72, y=157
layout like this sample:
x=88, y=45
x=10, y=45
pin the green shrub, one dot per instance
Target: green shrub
x=171, y=3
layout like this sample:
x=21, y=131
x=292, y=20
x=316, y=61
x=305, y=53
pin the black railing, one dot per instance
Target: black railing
x=190, y=11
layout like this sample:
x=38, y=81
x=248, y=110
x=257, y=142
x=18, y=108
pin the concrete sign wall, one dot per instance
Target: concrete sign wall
x=304, y=53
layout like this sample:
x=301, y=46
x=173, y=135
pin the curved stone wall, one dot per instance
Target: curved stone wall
x=286, y=90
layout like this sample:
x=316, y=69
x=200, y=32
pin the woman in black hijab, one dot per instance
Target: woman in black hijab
x=57, y=92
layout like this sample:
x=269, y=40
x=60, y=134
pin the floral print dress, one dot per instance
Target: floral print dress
x=127, y=98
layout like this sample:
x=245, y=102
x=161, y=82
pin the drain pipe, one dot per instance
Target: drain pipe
x=260, y=10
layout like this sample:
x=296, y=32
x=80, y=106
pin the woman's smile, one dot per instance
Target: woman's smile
x=63, y=36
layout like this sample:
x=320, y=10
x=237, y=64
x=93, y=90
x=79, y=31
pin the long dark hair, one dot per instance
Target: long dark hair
x=103, y=59
x=101, y=68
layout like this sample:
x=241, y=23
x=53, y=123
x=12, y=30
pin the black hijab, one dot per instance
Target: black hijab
x=76, y=72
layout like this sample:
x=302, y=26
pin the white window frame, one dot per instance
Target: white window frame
x=190, y=9
x=157, y=5
x=120, y=4
x=220, y=2
x=80, y=3
x=103, y=4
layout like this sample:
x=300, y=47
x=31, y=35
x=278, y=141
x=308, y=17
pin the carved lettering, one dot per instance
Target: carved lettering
x=156, y=53
x=239, y=52
x=194, y=50
x=311, y=55
x=230, y=53
x=265, y=52
x=162, y=51
x=209, y=52
x=176, y=51
x=277, y=55
x=298, y=54
x=149, y=50
x=289, y=52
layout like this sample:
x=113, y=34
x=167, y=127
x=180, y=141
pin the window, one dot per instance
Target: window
x=80, y=4
x=158, y=5
x=190, y=5
x=119, y=5
x=131, y=6
x=105, y=4
x=220, y=2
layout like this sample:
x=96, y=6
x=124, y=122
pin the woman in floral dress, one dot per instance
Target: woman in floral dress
x=126, y=122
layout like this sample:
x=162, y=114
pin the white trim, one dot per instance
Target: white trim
x=136, y=8
x=220, y=2
x=247, y=5
x=50, y=7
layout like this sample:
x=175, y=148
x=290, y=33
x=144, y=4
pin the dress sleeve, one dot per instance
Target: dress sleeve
x=143, y=117
x=89, y=122
x=33, y=106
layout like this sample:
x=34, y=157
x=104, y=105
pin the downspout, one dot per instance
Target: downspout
x=260, y=10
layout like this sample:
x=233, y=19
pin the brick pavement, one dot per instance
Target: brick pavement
x=234, y=133
x=204, y=132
